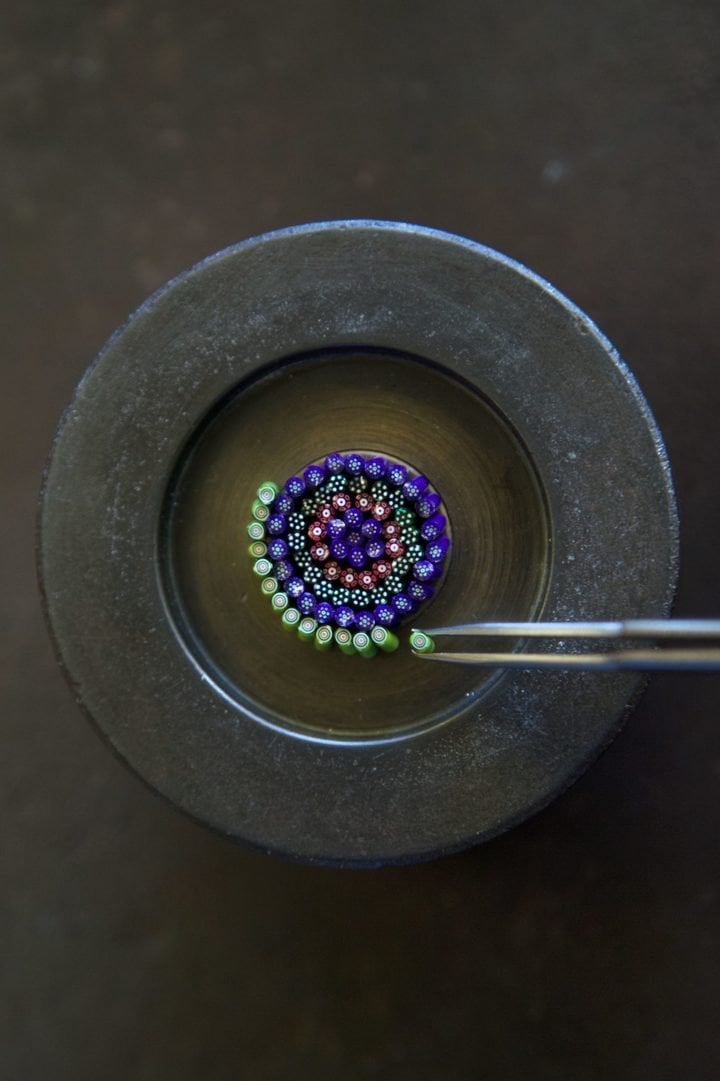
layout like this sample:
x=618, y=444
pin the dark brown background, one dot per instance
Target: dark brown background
x=581, y=139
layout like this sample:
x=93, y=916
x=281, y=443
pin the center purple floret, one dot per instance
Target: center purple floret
x=357, y=540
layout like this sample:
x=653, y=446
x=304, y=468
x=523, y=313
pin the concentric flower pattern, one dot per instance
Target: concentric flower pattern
x=353, y=542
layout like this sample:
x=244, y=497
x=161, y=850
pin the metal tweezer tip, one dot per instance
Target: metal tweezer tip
x=613, y=660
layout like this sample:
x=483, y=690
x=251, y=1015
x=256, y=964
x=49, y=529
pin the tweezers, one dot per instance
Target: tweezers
x=566, y=635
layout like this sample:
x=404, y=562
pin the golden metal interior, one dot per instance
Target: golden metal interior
x=297, y=412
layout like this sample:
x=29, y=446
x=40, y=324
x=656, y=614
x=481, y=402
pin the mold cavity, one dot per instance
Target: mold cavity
x=398, y=407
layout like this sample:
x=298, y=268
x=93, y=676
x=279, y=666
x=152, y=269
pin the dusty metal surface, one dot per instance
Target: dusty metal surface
x=494, y=755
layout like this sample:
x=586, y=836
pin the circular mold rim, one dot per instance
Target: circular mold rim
x=530, y=351
x=251, y=693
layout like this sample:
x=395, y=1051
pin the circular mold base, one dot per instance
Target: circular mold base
x=577, y=519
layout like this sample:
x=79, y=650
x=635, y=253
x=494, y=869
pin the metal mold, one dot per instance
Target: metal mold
x=155, y=455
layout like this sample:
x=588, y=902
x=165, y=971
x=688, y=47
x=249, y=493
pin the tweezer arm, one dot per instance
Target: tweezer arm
x=692, y=659
x=628, y=628
x=697, y=660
